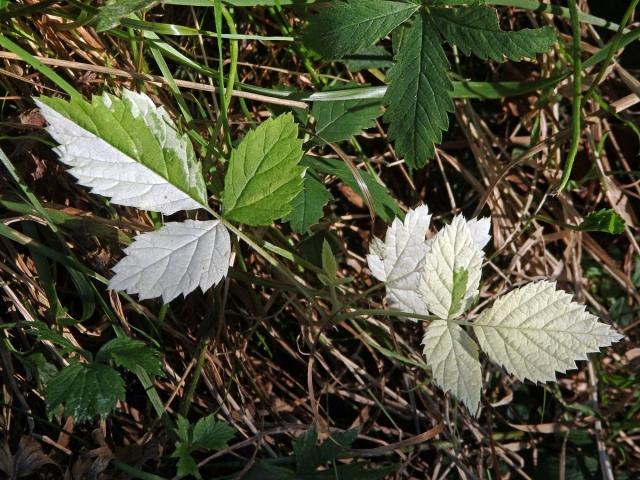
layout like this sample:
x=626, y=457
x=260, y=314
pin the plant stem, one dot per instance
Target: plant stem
x=577, y=97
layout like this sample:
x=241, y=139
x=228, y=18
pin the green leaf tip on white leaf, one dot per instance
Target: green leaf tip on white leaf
x=126, y=149
x=452, y=249
x=174, y=260
x=398, y=260
x=536, y=331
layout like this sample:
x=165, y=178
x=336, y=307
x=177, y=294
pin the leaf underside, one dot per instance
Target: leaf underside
x=174, y=260
x=453, y=357
x=419, y=94
x=536, y=330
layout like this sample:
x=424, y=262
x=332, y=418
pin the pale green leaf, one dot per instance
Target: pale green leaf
x=452, y=249
x=131, y=354
x=398, y=261
x=348, y=26
x=174, y=260
x=264, y=175
x=419, y=94
x=536, y=330
x=126, y=149
x=85, y=390
x=308, y=205
x=476, y=30
x=453, y=357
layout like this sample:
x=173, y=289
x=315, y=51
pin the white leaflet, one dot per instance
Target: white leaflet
x=174, y=260
x=397, y=261
x=453, y=357
x=109, y=172
x=537, y=330
x=452, y=249
x=479, y=228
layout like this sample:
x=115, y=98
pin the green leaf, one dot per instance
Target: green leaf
x=43, y=332
x=110, y=14
x=85, y=390
x=348, y=26
x=386, y=207
x=211, y=434
x=130, y=354
x=460, y=279
x=264, y=176
x=604, y=220
x=207, y=434
x=308, y=205
x=126, y=149
x=370, y=57
x=329, y=263
x=337, y=121
x=476, y=30
x=419, y=94
x=309, y=456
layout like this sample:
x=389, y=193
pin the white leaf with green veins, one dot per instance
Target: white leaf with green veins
x=126, y=149
x=453, y=251
x=536, y=330
x=398, y=260
x=174, y=260
x=453, y=357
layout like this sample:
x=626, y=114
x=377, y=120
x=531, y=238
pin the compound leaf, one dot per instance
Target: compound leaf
x=476, y=30
x=85, y=390
x=264, y=176
x=452, y=250
x=131, y=354
x=126, y=149
x=453, y=357
x=419, y=94
x=174, y=260
x=308, y=205
x=348, y=26
x=536, y=330
x=398, y=261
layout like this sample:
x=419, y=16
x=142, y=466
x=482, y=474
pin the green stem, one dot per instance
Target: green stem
x=201, y=355
x=577, y=96
x=613, y=47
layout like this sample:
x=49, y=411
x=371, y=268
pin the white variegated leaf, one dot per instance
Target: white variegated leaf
x=479, y=228
x=453, y=250
x=397, y=261
x=536, y=331
x=174, y=260
x=126, y=149
x=453, y=357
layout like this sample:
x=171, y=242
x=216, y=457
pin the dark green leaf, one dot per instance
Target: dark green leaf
x=370, y=57
x=605, y=220
x=419, y=94
x=310, y=456
x=211, y=434
x=85, y=390
x=130, y=354
x=386, y=207
x=264, y=176
x=476, y=30
x=337, y=121
x=308, y=205
x=346, y=27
